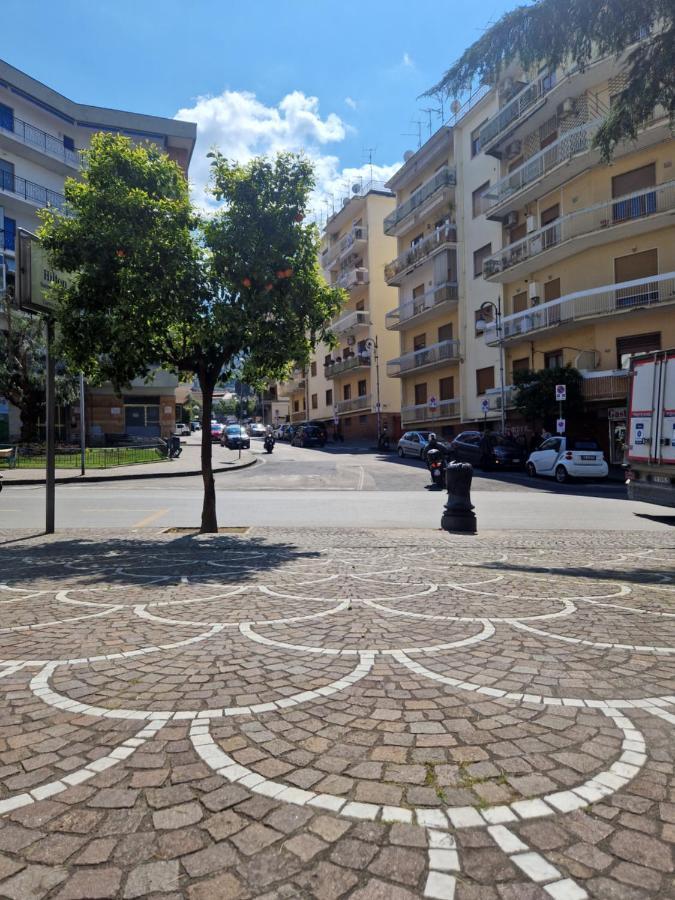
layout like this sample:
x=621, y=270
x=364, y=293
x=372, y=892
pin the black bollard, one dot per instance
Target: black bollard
x=458, y=514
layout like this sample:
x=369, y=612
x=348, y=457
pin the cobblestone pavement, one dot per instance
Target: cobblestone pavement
x=372, y=714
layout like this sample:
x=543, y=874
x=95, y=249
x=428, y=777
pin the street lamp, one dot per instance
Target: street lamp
x=496, y=310
x=371, y=346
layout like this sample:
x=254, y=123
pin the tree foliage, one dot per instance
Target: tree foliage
x=156, y=283
x=535, y=394
x=554, y=32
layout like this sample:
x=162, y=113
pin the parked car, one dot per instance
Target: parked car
x=316, y=423
x=563, y=458
x=489, y=450
x=414, y=443
x=308, y=436
x=257, y=430
x=216, y=431
x=195, y=425
x=285, y=432
x=182, y=429
x=235, y=437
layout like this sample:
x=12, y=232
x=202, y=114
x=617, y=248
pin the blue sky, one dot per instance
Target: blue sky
x=331, y=77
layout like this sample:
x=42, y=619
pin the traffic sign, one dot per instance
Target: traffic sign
x=561, y=392
x=433, y=403
x=485, y=405
x=560, y=426
x=35, y=275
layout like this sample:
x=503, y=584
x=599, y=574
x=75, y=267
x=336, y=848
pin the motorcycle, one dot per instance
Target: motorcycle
x=436, y=464
x=269, y=443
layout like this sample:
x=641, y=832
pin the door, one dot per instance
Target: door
x=546, y=456
x=7, y=176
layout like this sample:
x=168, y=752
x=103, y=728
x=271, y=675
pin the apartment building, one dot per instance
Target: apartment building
x=587, y=254
x=41, y=132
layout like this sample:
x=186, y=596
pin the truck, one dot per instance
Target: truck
x=650, y=436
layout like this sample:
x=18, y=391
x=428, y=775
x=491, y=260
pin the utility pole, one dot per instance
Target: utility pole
x=50, y=422
x=83, y=445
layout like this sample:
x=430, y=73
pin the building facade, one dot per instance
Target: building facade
x=41, y=134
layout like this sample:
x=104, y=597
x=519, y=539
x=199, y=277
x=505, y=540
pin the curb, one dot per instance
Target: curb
x=78, y=479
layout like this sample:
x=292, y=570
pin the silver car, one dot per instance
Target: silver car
x=413, y=443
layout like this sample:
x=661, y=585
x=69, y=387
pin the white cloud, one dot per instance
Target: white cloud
x=242, y=127
x=407, y=61
x=350, y=102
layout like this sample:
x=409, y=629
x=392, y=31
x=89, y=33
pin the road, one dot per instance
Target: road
x=315, y=488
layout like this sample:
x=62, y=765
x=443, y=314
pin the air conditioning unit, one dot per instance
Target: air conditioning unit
x=534, y=290
x=511, y=220
x=512, y=150
x=531, y=223
x=566, y=108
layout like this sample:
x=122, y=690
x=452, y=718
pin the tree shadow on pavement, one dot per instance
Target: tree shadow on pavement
x=655, y=576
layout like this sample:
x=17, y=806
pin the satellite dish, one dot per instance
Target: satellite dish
x=408, y=155
x=455, y=107
x=356, y=188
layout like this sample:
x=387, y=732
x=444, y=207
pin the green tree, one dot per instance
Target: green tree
x=23, y=366
x=156, y=283
x=535, y=395
x=553, y=32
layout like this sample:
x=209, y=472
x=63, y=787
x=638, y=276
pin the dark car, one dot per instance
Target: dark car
x=487, y=450
x=235, y=437
x=308, y=436
x=316, y=423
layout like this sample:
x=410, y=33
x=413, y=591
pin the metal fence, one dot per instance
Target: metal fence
x=95, y=458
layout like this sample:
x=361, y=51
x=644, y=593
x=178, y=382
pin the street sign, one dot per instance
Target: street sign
x=561, y=392
x=560, y=426
x=433, y=403
x=378, y=407
x=36, y=276
x=639, y=432
x=485, y=405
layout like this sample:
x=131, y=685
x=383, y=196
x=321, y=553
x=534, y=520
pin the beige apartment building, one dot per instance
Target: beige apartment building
x=587, y=253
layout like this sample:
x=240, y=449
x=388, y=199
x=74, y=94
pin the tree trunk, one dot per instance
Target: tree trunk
x=209, y=520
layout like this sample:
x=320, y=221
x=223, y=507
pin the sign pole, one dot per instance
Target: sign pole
x=82, y=431
x=50, y=435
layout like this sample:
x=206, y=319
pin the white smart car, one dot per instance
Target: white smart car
x=562, y=458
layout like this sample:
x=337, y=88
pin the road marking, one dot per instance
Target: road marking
x=151, y=518
x=362, y=478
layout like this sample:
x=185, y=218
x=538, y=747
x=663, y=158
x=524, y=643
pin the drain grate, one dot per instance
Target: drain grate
x=232, y=529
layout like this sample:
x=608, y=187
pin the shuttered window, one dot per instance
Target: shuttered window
x=446, y=388
x=636, y=265
x=485, y=379
x=420, y=394
x=635, y=180
x=445, y=332
x=519, y=301
x=636, y=343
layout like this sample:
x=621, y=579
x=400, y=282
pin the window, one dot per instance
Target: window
x=312, y=369
x=548, y=132
x=6, y=117
x=517, y=233
x=552, y=292
x=420, y=394
x=636, y=343
x=360, y=306
x=550, y=215
x=485, y=379
x=419, y=341
x=479, y=258
x=315, y=401
x=9, y=241
x=476, y=198
x=6, y=175
x=446, y=388
x=519, y=301
x=296, y=406
x=329, y=397
x=521, y=365
x=475, y=140
x=417, y=239
x=633, y=267
x=635, y=180
x=445, y=332
x=362, y=388
x=327, y=360
x=553, y=360
x=551, y=444
x=68, y=143
x=347, y=392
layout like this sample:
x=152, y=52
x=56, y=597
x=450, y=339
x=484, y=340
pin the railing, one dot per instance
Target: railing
x=352, y=278
x=569, y=144
x=299, y=416
x=357, y=233
x=582, y=305
x=638, y=205
x=609, y=385
x=41, y=140
x=27, y=190
x=435, y=354
x=444, y=177
x=354, y=405
x=420, y=252
x=515, y=109
x=421, y=412
x=494, y=397
x=444, y=293
x=360, y=361
x=351, y=321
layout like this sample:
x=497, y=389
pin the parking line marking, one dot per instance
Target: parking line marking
x=151, y=518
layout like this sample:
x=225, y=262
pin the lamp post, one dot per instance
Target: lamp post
x=496, y=308
x=371, y=346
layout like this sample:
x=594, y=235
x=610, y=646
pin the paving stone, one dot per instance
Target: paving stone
x=211, y=859
x=92, y=884
x=96, y=852
x=328, y=882
x=631, y=845
x=374, y=889
x=34, y=882
x=114, y=798
x=177, y=843
x=9, y=866
x=155, y=877
x=224, y=797
x=306, y=846
x=223, y=824
x=399, y=864
x=254, y=838
x=225, y=886
x=55, y=848
x=352, y=853
x=178, y=816
x=329, y=828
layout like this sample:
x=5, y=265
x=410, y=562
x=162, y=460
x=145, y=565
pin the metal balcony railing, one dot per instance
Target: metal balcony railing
x=444, y=293
x=518, y=107
x=41, y=140
x=421, y=251
x=356, y=404
x=299, y=416
x=494, y=397
x=639, y=205
x=351, y=321
x=351, y=278
x=28, y=190
x=569, y=144
x=584, y=305
x=420, y=412
x=338, y=367
x=339, y=248
x=434, y=355
x=605, y=385
x=443, y=178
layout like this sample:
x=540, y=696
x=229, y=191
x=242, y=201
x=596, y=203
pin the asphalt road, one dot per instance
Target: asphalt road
x=315, y=488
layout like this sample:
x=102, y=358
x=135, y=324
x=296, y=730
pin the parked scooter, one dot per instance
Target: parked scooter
x=436, y=464
x=269, y=443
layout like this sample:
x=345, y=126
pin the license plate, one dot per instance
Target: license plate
x=591, y=458
x=661, y=479
x=516, y=460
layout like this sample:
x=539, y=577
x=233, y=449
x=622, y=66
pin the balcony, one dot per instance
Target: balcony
x=586, y=306
x=446, y=409
x=357, y=404
x=612, y=384
x=494, y=397
x=438, y=299
x=34, y=194
x=441, y=239
x=608, y=221
x=352, y=278
x=427, y=358
x=350, y=364
x=296, y=383
x=351, y=321
x=351, y=242
x=39, y=141
x=515, y=112
x=298, y=416
x=445, y=177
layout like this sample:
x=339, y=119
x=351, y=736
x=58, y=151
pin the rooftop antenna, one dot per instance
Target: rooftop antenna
x=417, y=134
x=430, y=110
x=369, y=151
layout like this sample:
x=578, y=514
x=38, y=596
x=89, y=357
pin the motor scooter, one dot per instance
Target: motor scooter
x=269, y=443
x=436, y=464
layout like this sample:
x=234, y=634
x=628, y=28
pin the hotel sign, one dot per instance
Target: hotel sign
x=36, y=276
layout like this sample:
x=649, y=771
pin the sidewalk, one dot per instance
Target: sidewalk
x=187, y=464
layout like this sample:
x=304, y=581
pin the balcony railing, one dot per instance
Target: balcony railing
x=444, y=293
x=420, y=412
x=570, y=144
x=356, y=404
x=434, y=355
x=517, y=108
x=639, y=205
x=27, y=190
x=299, y=416
x=585, y=305
x=419, y=253
x=40, y=140
x=605, y=385
x=352, y=278
x=444, y=177
x=359, y=361
x=494, y=397
x=357, y=233
x=351, y=321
